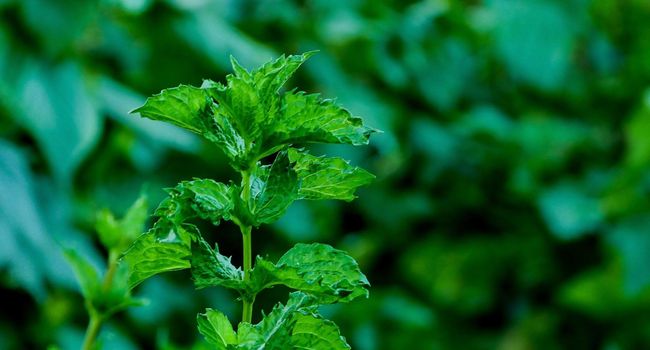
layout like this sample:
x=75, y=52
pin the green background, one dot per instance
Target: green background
x=512, y=204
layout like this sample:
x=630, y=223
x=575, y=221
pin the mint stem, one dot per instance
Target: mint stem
x=247, y=311
x=96, y=319
x=92, y=331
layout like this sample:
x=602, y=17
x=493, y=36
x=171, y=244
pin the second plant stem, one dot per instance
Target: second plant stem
x=96, y=319
x=247, y=311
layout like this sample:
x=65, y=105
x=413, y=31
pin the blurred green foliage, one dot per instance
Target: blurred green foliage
x=512, y=209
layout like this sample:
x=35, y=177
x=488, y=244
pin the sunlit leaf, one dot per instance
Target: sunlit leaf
x=330, y=275
x=181, y=106
x=315, y=333
x=216, y=329
x=166, y=247
x=327, y=177
x=309, y=118
x=119, y=234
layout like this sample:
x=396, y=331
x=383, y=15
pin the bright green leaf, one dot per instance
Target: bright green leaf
x=166, y=247
x=216, y=329
x=204, y=198
x=249, y=118
x=209, y=268
x=309, y=118
x=86, y=274
x=107, y=228
x=180, y=106
x=326, y=177
x=271, y=76
x=118, y=235
x=295, y=325
x=328, y=274
x=274, y=331
x=315, y=333
x=232, y=124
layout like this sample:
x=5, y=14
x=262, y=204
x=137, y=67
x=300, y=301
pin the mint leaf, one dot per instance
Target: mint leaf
x=234, y=114
x=118, y=234
x=327, y=177
x=273, y=75
x=209, y=268
x=249, y=118
x=274, y=331
x=116, y=295
x=309, y=118
x=165, y=247
x=312, y=332
x=273, y=189
x=216, y=329
x=295, y=325
x=180, y=106
x=330, y=275
x=105, y=299
x=87, y=275
x=203, y=198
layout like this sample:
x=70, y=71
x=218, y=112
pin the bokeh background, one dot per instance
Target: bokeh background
x=512, y=205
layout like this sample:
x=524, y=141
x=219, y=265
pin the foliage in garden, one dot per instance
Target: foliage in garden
x=511, y=203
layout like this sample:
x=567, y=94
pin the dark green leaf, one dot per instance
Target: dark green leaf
x=203, y=198
x=216, y=329
x=273, y=189
x=209, y=268
x=326, y=177
x=166, y=247
x=329, y=274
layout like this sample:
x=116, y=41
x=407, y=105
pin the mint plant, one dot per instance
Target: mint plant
x=251, y=119
x=107, y=294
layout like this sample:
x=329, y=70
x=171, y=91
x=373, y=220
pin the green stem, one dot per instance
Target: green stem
x=110, y=273
x=247, y=311
x=96, y=319
x=92, y=331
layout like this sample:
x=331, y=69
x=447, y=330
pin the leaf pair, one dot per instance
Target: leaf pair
x=102, y=298
x=112, y=292
x=119, y=234
x=296, y=325
x=248, y=118
x=295, y=175
x=326, y=274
